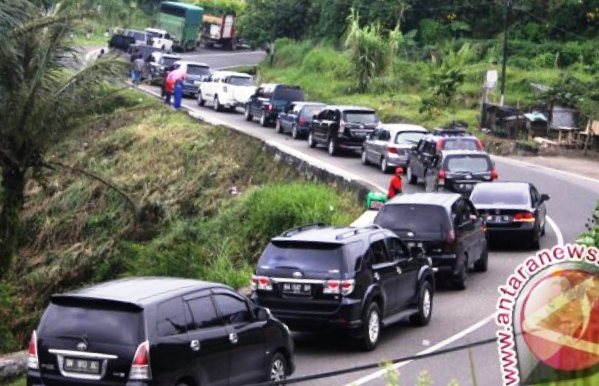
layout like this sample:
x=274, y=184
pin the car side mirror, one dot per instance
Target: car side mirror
x=314, y=116
x=262, y=313
x=545, y=197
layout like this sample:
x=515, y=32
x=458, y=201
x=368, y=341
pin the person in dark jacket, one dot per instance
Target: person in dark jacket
x=395, y=185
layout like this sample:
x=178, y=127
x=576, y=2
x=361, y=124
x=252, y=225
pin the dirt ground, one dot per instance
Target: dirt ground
x=588, y=167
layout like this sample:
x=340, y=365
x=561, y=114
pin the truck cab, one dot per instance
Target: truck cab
x=160, y=39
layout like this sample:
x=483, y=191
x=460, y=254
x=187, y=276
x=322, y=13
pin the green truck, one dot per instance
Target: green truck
x=182, y=22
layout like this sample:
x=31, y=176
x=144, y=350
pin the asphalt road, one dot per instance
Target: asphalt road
x=459, y=317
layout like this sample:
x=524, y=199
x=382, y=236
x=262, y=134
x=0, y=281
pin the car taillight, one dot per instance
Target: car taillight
x=450, y=240
x=392, y=149
x=262, y=283
x=335, y=287
x=140, y=368
x=524, y=217
x=440, y=144
x=494, y=174
x=302, y=120
x=441, y=176
x=268, y=107
x=32, y=361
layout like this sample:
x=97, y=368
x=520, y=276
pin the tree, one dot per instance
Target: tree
x=447, y=74
x=42, y=99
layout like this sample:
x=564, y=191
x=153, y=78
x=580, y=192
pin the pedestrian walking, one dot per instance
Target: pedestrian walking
x=178, y=93
x=395, y=185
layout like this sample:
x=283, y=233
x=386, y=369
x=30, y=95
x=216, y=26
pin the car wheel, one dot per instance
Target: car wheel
x=278, y=127
x=425, y=305
x=263, y=120
x=277, y=369
x=247, y=115
x=332, y=147
x=201, y=102
x=364, y=157
x=294, y=133
x=460, y=282
x=371, y=327
x=311, y=141
x=412, y=179
x=482, y=264
x=384, y=165
x=216, y=104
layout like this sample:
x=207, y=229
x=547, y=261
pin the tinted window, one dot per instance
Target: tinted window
x=309, y=111
x=461, y=144
x=496, y=194
x=360, y=117
x=352, y=252
x=303, y=256
x=462, y=213
x=468, y=163
x=169, y=61
x=197, y=70
x=139, y=36
x=241, y=81
x=396, y=249
x=98, y=323
x=170, y=318
x=378, y=253
x=203, y=312
x=408, y=137
x=232, y=309
x=413, y=217
x=288, y=94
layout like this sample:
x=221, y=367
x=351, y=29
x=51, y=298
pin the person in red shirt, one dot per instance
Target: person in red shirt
x=395, y=186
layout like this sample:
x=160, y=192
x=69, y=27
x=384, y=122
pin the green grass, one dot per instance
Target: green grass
x=17, y=382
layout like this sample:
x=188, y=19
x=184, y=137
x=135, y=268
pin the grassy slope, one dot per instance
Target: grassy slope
x=188, y=224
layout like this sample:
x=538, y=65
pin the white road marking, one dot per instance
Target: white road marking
x=545, y=168
x=556, y=230
x=429, y=350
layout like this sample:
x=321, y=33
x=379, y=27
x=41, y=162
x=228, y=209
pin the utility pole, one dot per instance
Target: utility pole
x=508, y=11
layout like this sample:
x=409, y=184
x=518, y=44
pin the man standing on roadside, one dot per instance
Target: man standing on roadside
x=395, y=185
x=138, y=68
x=168, y=85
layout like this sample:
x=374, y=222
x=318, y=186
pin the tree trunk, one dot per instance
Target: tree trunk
x=13, y=186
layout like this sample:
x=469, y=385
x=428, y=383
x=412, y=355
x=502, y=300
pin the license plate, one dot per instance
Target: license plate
x=414, y=244
x=498, y=219
x=466, y=186
x=197, y=82
x=84, y=366
x=297, y=288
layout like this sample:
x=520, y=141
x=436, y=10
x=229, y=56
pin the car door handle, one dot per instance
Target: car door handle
x=233, y=338
x=194, y=345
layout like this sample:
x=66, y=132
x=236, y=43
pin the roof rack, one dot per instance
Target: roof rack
x=357, y=231
x=293, y=231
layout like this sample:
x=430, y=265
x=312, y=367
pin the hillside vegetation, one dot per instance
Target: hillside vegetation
x=178, y=175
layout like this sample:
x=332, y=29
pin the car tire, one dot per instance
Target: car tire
x=277, y=368
x=263, y=119
x=216, y=104
x=201, y=102
x=425, y=305
x=460, y=282
x=384, y=166
x=294, y=132
x=278, y=127
x=311, y=141
x=364, y=157
x=247, y=115
x=332, y=147
x=412, y=179
x=482, y=264
x=371, y=327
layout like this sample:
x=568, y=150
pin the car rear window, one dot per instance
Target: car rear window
x=408, y=137
x=193, y=69
x=494, y=194
x=139, y=36
x=169, y=61
x=241, y=81
x=360, y=117
x=108, y=323
x=468, y=163
x=290, y=94
x=461, y=144
x=303, y=256
x=418, y=218
x=310, y=111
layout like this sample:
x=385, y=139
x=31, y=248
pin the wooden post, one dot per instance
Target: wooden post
x=589, y=133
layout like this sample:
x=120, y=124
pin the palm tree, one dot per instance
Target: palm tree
x=44, y=96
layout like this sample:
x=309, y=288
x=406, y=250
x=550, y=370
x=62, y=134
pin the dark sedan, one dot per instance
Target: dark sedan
x=512, y=208
x=297, y=118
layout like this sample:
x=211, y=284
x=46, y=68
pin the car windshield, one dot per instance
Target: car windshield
x=408, y=137
x=303, y=256
x=468, y=163
x=461, y=144
x=95, y=322
x=417, y=218
x=154, y=34
x=290, y=94
x=495, y=194
x=365, y=117
x=194, y=69
x=310, y=111
x=241, y=81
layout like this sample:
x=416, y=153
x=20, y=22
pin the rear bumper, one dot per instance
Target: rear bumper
x=446, y=264
x=394, y=160
x=34, y=379
x=190, y=89
x=522, y=229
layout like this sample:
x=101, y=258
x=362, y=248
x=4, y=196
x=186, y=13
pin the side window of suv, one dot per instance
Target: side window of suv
x=171, y=318
x=203, y=313
x=429, y=147
x=396, y=249
x=378, y=253
x=323, y=115
x=233, y=310
x=260, y=92
x=462, y=213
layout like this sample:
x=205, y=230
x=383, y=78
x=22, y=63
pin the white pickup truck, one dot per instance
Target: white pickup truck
x=160, y=39
x=226, y=89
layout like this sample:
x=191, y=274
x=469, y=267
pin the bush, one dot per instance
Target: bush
x=289, y=52
x=590, y=238
x=327, y=62
x=431, y=31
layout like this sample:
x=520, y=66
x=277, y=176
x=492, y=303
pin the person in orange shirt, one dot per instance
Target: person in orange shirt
x=395, y=186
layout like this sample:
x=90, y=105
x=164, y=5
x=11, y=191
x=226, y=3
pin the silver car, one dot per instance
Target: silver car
x=389, y=146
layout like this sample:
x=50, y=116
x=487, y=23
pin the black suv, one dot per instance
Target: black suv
x=120, y=41
x=356, y=279
x=271, y=99
x=446, y=225
x=454, y=170
x=342, y=127
x=157, y=331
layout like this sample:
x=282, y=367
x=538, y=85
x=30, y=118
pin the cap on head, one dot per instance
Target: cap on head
x=398, y=170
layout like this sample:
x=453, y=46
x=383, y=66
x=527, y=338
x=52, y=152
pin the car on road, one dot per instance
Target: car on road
x=453, y=170
x=159, y=62
x=352, y=279
x=121, y=42
x=269, y=100
x=141, y=37
x=512, y=209
x=389, y=146
x=446, y=225
x=196, y=74
x=342, y=127
x=226, y=89
x=297, y=118
x=160, y=39
x=157, y=331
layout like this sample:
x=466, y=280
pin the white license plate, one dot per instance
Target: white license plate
x=297, y=288
x=498, y=219
x=414, y=244
x=197, y=82
x=84, y=366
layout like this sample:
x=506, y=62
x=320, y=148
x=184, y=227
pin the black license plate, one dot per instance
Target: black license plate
x=297, y=288
x=83, y=366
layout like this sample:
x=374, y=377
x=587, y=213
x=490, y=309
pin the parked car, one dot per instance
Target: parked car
x=512, y=208
x=453, y=170
x=158, y=63
x=160, y=39
x=141, y=37
x=446, y=225
x=297, y=118
x=196, y=74
x=121, y=42
x=389, y=146
x=352, y=279
x=342, y=127
x=226, y=89
x=269, y=100
x=157, y=331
